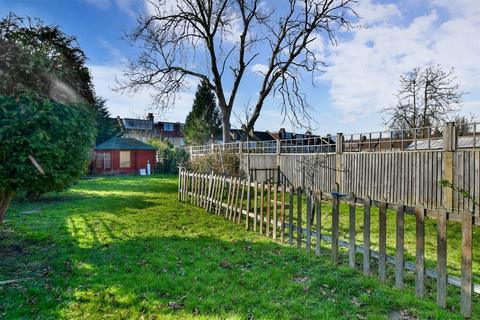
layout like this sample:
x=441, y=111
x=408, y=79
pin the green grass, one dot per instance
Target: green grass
x=124, y=247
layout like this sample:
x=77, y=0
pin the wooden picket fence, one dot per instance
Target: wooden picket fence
x=271, y=210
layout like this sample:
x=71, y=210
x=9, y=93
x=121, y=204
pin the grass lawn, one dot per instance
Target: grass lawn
x=123, y=247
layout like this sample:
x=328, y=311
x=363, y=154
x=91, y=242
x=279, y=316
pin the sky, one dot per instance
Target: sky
x=359, y=80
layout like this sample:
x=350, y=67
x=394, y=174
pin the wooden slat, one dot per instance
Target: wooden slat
x=208, y=201
x=308, y=232
x=351, y=235
x=262, y=205
x=275, y=205
x=335, y=225
x=242, y=197
x=466, y=278
x=237, y=212
x=282, y=215
x=249, y=201
x=318, y=226
x=420, y=253
x=366, y=236
x=400, y=247
x=299, y=217
x=180, y=177
x=255, y=207
x=442, y=258
x=382, y=241
x=227, y=209
x=269, y=205
x=290, y=218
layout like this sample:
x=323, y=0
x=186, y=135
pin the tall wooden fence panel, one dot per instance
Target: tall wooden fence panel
x=410, y=177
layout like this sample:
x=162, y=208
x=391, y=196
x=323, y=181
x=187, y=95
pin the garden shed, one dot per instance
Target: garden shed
x=123, y=156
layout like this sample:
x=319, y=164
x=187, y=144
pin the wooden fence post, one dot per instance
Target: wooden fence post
x=335, y=223
x=269, y=205
x=449, y=148
x=299, y=217
x=318, y=212
x=442, y=258
x=382, y=241
x=366, y=235
x=351, y=235
x=255, y=206
x=309, y=221
x=420, y=253
x=282, y=215
x=275, y=207
x=399, y=252
x=466, y=281
x=339, y=160
x=290, y=217
x=262, y=205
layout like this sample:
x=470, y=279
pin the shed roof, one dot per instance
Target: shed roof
x=119, y=143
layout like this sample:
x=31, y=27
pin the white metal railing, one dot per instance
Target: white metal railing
x=308, y=145
x=425, y=138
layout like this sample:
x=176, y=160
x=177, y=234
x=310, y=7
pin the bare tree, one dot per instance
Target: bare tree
x=464, y=124
x=217, y=40
x=427, y=97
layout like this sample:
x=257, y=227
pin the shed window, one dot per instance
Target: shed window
x=124, y=159
x=168, y=126
x=99, y=160
x=107, y=160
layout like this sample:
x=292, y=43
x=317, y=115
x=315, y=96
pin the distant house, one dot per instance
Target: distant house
x=121, y=155
x=145, y=129
x=240, y=135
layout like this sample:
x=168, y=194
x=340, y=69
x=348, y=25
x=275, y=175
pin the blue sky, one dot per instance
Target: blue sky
x=362, y=70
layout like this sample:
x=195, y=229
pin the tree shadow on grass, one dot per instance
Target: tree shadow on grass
x=186, y=276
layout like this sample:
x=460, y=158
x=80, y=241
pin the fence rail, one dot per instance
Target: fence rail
x=416, y=139
x=277, y=211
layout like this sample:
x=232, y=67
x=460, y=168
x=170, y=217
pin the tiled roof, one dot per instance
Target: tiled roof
x=119, y=143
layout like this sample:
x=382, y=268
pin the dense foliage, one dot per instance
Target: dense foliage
x=203, y=123
x=57, y=136
x=107, y=127
x=169, y=157
x=43, y=59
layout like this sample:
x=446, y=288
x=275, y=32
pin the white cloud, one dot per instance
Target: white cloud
x=259, y=68
x=364, y=70
x=126, y=6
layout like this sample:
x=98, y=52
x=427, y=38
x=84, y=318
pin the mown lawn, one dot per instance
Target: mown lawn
x=123, y=247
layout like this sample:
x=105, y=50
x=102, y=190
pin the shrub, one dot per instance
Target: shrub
x=226, y=162
x=35, y=130
x=169, y=158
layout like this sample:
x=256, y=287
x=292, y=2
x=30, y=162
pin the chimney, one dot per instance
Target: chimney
x=150, y=117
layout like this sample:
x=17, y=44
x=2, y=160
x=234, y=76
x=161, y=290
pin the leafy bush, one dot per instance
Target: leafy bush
x=35, y=130
x=169, y=158
x=226, y=162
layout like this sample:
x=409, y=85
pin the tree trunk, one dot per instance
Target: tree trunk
x=5, y=199
x=226, y=126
